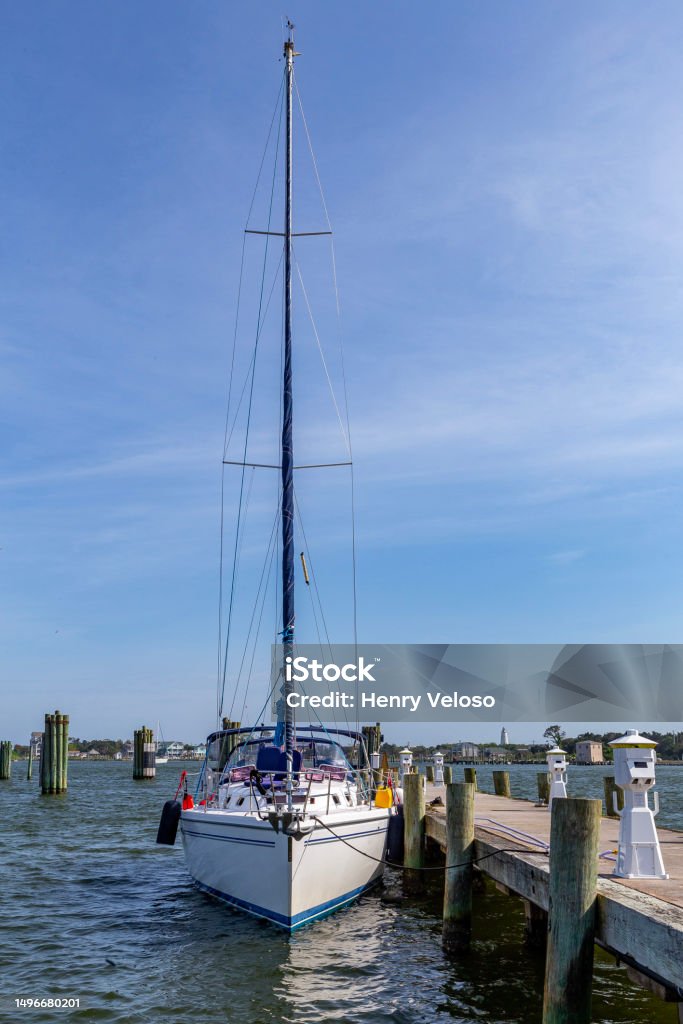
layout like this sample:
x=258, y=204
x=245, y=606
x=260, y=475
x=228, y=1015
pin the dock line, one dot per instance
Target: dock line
x=437, y=867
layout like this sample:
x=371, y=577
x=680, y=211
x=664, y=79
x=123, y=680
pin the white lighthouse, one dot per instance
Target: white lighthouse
x=504, y=739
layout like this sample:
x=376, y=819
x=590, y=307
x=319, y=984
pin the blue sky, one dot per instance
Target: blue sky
x=504, y=186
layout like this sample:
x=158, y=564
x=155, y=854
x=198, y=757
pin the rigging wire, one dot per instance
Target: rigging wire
x=267, y=565
x=344, y=383
x=253, y=615
x=313, y=577
x=249, y=411
x=276, y=275
x=278, y=105
x=257, y=634
x=322, y=354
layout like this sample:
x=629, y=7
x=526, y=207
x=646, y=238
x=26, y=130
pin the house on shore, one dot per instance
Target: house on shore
x=589, y=752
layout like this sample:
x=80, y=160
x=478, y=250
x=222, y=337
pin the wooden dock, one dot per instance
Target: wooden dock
x=639, y=921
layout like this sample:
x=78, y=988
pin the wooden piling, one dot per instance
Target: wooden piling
x=29, y=767
x=414, y=824
x=5, y=759
x=457, y=897
x=430, y=773
x=574, y=841
x=535, y=925
x=53, y=753
x=59, y=752
x=501, y=783
x=543, y=785
x=471, y=776
x=447, y=774
x=611, y=788
x=45, y=757
x=65, y=753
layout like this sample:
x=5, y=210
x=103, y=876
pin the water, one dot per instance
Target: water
x=94, y=909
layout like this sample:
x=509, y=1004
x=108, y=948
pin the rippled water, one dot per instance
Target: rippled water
x=94, y=909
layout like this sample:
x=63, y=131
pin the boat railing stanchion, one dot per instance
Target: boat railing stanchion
x=308, y=792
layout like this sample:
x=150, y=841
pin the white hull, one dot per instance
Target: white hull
x=244, y=862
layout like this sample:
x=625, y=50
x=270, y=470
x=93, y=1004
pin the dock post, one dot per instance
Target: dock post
x=447, y=774
x=611, y=788
x=46, y=757
x=29, y=767
x=414, y=826
x=535, y=925
x=574, y=840
x=65, y=753
x=501, y=783
x=430, y=773
x=543, y=785
x=5, y=759
x=471, y=776
x=137, y=753
x=457, y=897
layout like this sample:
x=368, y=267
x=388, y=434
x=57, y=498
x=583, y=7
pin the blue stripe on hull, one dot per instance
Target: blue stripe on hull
x=290, y=923
x=229, y=839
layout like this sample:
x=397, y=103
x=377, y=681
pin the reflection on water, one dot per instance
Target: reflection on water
x=99, y=912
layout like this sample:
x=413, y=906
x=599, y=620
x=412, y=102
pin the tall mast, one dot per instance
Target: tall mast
x=287, y=459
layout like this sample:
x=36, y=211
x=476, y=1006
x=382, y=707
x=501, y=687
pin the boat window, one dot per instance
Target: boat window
x=328, y=752
x=314, y=751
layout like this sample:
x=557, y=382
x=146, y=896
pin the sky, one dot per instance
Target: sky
x=503, y=182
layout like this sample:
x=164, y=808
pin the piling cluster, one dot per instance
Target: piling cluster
x=372, y=739
x=144, y=754
x=54, y=756
x=228, y=743
x=5, y=759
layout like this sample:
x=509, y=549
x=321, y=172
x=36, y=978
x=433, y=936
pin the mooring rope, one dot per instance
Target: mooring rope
x=438, y=867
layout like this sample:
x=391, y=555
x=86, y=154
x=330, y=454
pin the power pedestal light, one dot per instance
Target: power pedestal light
x=438, y=768
x=557, y=772
x=405, y=763
x=639, y=854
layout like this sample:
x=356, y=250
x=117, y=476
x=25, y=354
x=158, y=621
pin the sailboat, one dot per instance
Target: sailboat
x=159, y=745
x=281, y=824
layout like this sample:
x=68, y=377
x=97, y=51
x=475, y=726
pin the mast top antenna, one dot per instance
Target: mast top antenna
x=289, y=42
